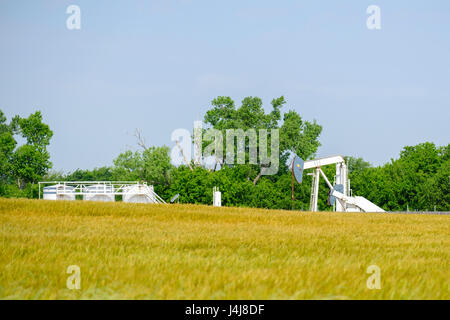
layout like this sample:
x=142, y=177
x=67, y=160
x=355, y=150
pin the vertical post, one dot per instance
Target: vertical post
x=345, y=180
x=39, y=190
x=217, y=197
x=292, y=188
x=337, y=205
x=341, y=178
x=315, y=195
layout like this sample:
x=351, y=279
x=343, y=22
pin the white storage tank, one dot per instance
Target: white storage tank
x=59, y=192
x=139, y=193
x=99, y=192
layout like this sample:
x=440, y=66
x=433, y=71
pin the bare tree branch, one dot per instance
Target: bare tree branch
x=257, y=177
x=140, y=139
x=184, y=157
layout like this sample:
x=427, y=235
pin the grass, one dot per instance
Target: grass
x=136, y=251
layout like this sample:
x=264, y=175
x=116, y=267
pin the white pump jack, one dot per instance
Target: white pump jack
x=344, y=202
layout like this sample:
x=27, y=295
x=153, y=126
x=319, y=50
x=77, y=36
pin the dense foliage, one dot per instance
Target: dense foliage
x=21, y=167
x=417, y=180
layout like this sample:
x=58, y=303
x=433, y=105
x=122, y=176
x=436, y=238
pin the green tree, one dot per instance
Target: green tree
x=194, y=186
x=157, y=165
x=152, y=165
x=356, y=165
x=128, y=166
x=7, y=146
x=32, y=160
x=29, y=164
x=434, y=193
x=37, y=133
x=296, y=135
x=97, y=174
x=418, y=180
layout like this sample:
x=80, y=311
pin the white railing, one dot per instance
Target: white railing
x=90, y=188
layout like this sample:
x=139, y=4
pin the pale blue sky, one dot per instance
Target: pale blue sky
x=156, y=65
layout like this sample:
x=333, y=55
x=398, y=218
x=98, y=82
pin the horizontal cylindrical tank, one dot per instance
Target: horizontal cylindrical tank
x=139, y=193
x=59, y=192
x=99, y=192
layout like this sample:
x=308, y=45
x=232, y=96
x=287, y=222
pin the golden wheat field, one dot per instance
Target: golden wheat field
x=138, y=251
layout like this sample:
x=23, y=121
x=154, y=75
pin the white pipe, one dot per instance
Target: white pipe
x=326, y=179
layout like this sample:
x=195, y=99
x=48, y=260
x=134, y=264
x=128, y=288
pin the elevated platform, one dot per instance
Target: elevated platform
x=131, y=191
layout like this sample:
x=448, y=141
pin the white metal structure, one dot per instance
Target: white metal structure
x=141, y=193
x=99, y=192
x=131, y=191
x=59, y=192
x=345, y=202
x=217, y=197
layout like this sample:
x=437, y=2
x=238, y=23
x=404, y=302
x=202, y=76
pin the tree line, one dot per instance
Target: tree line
x=417, y=180
x=22, y=166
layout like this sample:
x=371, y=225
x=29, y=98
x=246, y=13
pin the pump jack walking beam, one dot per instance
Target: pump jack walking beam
x=344, y=202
